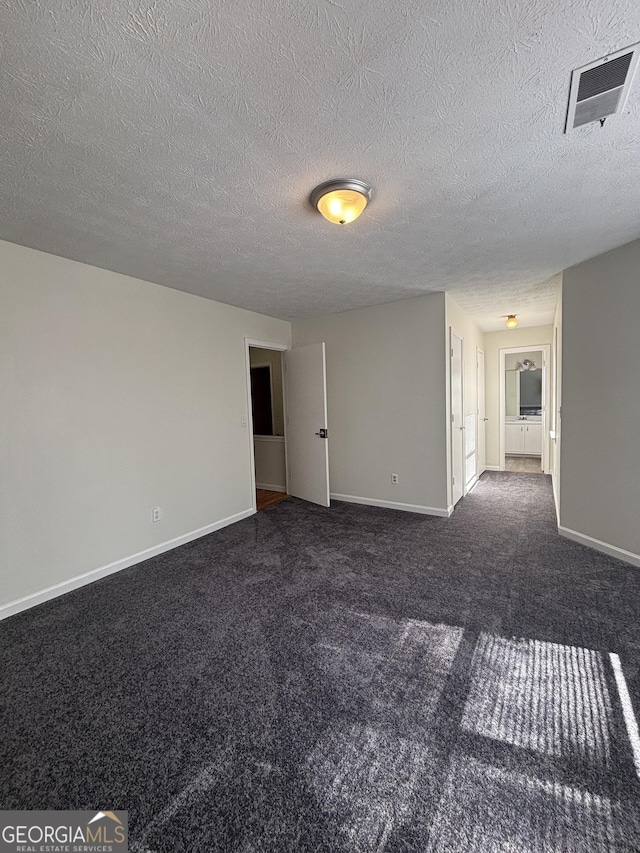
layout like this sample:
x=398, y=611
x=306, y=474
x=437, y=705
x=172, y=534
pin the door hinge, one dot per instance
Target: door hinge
x=323, y=433
x=453, y=417
x=453, y=481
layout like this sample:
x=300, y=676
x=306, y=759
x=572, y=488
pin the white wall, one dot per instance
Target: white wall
x=118, y=396
x=512, y=359
x=600, y=469
x=493, y=343
x=386, y=400
x=270, y=462
x=473, y=339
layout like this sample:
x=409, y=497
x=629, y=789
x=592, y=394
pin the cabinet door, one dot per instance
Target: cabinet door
x=533, y=439
x=514, y=438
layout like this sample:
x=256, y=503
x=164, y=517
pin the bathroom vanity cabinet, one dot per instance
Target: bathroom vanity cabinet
x=523, y=438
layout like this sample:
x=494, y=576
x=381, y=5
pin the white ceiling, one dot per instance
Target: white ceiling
x=178, y=142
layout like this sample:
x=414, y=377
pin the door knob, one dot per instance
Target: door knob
x=323, y=433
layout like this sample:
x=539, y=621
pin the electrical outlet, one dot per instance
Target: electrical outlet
x=394, y=478
x=156, y=514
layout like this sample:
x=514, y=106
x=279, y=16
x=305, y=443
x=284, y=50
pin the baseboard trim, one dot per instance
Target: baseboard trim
x=270, y=487
x=556, y=502
x=13, y=607
x=492, y=468
x=598, y=545
x=422, y=510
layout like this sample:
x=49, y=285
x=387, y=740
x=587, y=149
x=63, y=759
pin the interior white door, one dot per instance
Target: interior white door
x=482, y=414
x=305, y=386
x=457, y=420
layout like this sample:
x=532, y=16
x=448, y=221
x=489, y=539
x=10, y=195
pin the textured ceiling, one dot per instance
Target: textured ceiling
x=178, y=142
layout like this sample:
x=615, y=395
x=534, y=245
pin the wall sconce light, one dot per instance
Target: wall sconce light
x=511, y=322
x=341, y=201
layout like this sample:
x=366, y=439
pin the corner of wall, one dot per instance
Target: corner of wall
x=597, y=321
x=114, y=413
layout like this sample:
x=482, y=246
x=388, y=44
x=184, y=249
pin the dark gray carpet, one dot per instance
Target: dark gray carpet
x=343, y=679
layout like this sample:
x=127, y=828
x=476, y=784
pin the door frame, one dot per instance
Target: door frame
x=250, y=342
x=480, y=352
x=546, y=400
x=452, y=332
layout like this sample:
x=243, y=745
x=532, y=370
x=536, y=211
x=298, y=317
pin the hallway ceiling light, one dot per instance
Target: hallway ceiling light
x=511, y=321
x=341, y=201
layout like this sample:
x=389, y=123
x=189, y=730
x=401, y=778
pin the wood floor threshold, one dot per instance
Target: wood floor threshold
x=266, y=498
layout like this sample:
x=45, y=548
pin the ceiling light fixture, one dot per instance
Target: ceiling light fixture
x=341, y=201
x=511, y=322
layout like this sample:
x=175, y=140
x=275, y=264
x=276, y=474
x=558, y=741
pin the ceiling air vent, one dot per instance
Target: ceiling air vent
x=600, y=89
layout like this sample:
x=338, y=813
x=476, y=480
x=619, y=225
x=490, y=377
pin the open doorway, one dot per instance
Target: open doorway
x=524, y=390
x=267, y=420
x=299, y=376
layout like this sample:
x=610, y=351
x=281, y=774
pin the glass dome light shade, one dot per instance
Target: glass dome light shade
x=341, y=202
x=342, y=206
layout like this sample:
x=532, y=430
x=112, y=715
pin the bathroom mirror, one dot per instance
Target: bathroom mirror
x=523, y=384
x=531, y=392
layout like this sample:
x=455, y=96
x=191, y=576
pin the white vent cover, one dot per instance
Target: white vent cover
x=600, y=89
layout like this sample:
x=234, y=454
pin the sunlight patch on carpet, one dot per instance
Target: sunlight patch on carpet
x=630, y=719
x=367, y=774
x=549, y=698
x=367, y=779
x=486, y=808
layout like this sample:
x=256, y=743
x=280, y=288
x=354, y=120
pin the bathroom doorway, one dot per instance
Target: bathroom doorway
x=524, y=403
